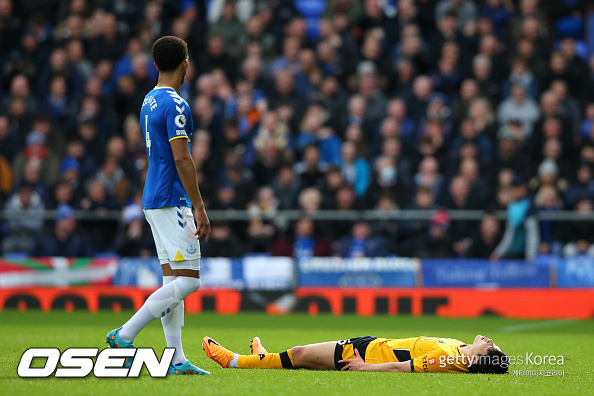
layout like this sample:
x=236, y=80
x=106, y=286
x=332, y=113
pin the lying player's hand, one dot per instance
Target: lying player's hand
x=356, y=364
x=202, y=225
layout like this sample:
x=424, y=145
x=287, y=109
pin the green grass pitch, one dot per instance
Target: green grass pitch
x=572, y=339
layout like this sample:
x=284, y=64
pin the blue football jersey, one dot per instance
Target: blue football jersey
x=164, y=116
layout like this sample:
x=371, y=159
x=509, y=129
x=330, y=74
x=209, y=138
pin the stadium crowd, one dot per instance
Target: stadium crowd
x=309, y=105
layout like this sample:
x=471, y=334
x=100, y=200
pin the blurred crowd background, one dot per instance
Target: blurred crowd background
x=310, y=105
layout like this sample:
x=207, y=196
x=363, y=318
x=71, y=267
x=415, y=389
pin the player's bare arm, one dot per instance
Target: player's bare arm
x=358, y=364
x=187, y=173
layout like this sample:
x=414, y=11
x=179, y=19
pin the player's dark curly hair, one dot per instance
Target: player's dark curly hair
x=494, y=362
x=169, y=52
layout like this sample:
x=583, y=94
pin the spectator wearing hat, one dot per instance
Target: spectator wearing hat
x=509, y=153
x=521, y=239
x=37, y=151
x=547, y=175
x=500, y=13
x=436, y=241
x=65, y=240
x=375, y=100
x=25, y=223
x=70, y=170
x=135, y=238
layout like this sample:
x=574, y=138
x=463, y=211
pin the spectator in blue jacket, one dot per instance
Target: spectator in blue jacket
x=355, y=169
x=362, y=243
x=65, y=241
x=522, y=236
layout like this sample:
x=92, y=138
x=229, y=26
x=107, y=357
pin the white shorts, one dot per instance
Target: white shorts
x=173, y=229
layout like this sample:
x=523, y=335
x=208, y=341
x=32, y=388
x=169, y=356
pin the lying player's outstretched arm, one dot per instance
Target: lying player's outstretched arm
x=358, y=364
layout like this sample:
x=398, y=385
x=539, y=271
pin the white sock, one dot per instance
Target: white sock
x=159, y=304
x=172, y=325
x=233, y=362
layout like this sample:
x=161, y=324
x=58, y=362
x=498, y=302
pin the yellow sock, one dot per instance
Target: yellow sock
x=267, y=361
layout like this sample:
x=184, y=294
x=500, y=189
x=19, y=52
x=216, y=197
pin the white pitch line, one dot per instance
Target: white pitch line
x=537, y=325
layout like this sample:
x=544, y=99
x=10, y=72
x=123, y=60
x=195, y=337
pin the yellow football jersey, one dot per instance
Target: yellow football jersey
x=426, y=354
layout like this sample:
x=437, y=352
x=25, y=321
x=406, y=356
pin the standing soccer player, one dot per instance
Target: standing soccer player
x=170, y=191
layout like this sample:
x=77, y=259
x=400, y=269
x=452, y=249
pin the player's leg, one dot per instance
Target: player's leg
x=173, y=321
x=313, y=356
x=114, y=337
x=180, y=236
x=164, y=223
x=159, y=304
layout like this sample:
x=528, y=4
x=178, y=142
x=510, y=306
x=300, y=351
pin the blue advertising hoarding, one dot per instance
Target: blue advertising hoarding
x=483, y=273
x=359, y=272
x=248, y=273
x=575, y=272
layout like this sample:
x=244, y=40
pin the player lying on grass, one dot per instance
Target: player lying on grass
x=417, y=355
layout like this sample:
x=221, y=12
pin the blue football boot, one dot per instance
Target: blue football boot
x=186, y=368
x=115, y=341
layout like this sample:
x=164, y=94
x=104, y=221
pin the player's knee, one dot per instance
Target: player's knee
x=187, y=285
x=297, y=352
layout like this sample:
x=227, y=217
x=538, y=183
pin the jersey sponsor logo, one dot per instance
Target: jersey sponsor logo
x=424, y=364
x=191, y=248
x=431, y=361
x=180, y=121
x=180, y=132
x=79, y=362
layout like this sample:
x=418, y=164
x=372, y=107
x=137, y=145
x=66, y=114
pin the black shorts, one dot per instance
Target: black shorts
x=358, y=343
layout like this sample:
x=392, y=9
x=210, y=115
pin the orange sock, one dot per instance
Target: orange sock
x=267, y=361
